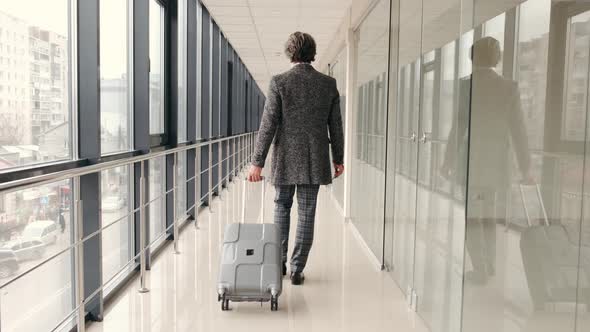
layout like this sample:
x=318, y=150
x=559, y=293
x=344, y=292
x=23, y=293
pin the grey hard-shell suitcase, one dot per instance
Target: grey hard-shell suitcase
x=250, y=268
x=551, y=259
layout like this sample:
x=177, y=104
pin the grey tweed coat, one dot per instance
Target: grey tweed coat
x=302, y=116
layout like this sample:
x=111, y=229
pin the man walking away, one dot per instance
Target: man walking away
x=302, y=118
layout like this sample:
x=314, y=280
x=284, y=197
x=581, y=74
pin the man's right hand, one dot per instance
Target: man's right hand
x=528, y=180
x=254, y=174
x=338, y=170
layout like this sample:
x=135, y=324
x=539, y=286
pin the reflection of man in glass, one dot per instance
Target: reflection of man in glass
x=496, y=128
x=62, y=220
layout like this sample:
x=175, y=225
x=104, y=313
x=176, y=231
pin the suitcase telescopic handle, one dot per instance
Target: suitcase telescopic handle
x=526, y=209
x=244, y=200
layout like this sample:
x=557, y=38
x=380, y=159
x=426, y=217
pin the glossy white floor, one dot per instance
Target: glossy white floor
x=343, y=291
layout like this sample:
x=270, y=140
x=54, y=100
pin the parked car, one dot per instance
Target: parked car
x=113, y=203
x=26, y=250
x=42, y=230
x=8, y=263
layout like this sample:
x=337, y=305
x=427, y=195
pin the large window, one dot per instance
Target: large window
x=576, y=79
x=157, y=65
x=36, y=224
x=181, y=185
x=157, y=198
x=367, y=187
x=35, y=120
x=117, y=223
x=115, y=78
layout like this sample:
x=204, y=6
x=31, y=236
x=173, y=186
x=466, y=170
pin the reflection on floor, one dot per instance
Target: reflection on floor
x=344, y=291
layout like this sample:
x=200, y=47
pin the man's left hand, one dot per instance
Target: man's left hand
x=338, y=170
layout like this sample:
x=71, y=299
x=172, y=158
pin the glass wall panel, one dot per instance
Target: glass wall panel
x=157, y=65
x=523, y=269
x=389, y=222
x=35, y=116
x=205, y=172
x=181, y=185
x=157, y=198
x=367, y=187
x=579, y=41
x=583, y=309
x=215, y=167
x=442, y=134
x=117, y=222
x=577, y=95
x=115, y=101
x=225, y=153
x=406, y=154
x=36, y=224
x=338, y=71
x=50, y=288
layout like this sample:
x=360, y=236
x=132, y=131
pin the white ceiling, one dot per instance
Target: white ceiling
x=258, y=29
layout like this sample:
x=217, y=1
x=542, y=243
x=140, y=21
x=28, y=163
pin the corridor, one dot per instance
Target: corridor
x=462, y=127
x=343, y=291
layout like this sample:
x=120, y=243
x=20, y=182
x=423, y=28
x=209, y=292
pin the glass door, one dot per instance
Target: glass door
x=428, y=269
x=400, y=258
x=367, y=167
x=442, y=170
x=426, y=257
x=406, y=165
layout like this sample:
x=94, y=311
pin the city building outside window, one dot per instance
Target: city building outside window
x=35, y=119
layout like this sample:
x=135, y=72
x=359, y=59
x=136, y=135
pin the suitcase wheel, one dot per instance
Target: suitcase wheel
x=274, y=303
x=224, y=303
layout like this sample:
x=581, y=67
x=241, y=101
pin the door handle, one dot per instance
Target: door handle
x=412, y=138
x=424, y=138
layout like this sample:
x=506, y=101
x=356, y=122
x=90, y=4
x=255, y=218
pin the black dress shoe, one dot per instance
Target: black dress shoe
x=297, y=278
x=284, y=269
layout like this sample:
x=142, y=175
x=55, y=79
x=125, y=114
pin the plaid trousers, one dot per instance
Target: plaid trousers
x=307, y=196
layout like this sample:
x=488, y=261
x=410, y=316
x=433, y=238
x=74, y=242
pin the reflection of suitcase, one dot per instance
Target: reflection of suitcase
x=550, y=260
x=251, y=269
